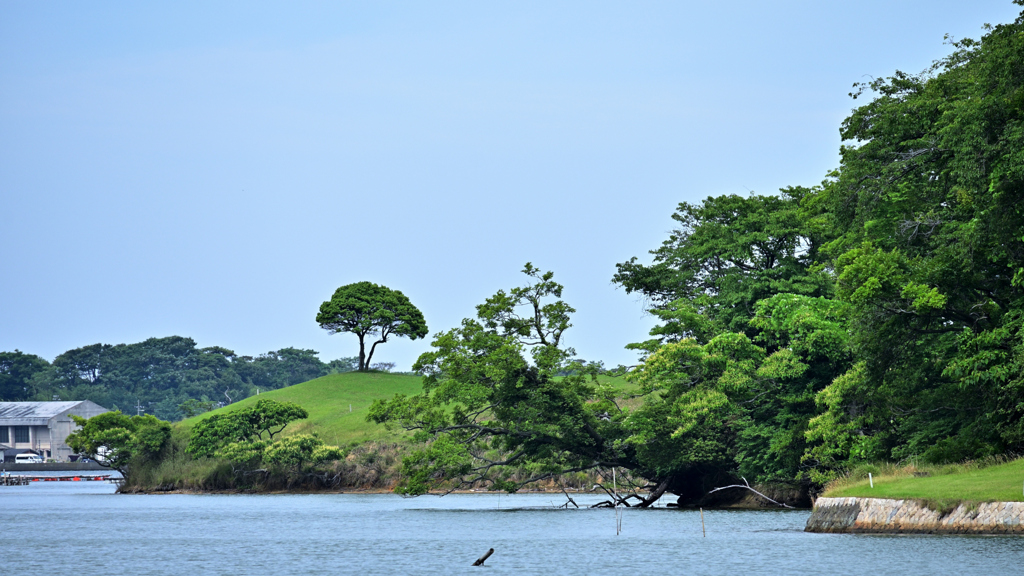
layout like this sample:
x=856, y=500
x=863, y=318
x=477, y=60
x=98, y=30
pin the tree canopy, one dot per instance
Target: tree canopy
x=371, y=311
x=16, y=372
x=894, y=288
x=927, y=240
x=168, y=377
x=118, y=440
x=491, y=400
x=245, y=436
x=245, y=425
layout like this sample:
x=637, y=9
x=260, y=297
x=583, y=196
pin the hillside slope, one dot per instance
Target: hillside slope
x=328, y=400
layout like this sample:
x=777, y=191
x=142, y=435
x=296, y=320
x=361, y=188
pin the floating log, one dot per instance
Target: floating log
x=480, y=561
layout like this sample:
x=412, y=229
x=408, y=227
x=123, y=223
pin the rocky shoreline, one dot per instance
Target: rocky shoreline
x=887, y=516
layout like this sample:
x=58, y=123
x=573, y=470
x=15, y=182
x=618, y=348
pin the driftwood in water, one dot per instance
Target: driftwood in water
x=570, y=500
x=656, y=492
x=746, y=485
x=480, y=561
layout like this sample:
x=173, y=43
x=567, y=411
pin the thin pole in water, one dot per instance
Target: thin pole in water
x=615, y=505
x=705, y=532
x=871, y=480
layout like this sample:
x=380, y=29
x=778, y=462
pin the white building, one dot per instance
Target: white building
x=43, y=426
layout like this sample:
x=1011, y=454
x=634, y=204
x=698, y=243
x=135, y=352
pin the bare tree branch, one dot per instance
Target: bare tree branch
x=746, y=485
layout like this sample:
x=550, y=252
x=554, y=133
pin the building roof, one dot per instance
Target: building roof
x=34, y=409
x=34, y=413
x=12, y=452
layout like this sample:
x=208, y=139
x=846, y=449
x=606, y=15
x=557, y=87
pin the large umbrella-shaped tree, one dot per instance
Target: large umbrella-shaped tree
x=369, y=310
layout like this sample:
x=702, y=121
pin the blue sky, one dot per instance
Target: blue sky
x=217, y=169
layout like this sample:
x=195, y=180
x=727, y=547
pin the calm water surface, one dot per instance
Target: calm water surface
x=83, y=528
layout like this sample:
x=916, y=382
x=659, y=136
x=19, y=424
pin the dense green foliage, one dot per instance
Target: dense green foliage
x=233, y=449
x=243, y=424
x=369, y=310
x=120, y=441
x=875, y=317
x=928, y=246
x=167, y=377
x=16, y=372
x=727, y=254
x=245, y=437
x=492, y=401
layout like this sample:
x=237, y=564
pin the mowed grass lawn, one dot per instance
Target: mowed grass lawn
x=998, y=483
x=327, y=399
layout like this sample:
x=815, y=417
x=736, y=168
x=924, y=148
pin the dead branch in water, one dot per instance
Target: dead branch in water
x=655, y=492
x=746, y=485
x=570, y=500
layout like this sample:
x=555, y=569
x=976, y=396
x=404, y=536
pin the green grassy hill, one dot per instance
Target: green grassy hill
x=328, y=400
x=997, y=483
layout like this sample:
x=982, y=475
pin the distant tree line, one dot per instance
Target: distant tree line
x=169, y=378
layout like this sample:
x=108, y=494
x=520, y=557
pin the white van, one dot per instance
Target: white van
x=28, y=459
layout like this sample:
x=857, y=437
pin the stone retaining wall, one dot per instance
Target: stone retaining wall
x=880, y=515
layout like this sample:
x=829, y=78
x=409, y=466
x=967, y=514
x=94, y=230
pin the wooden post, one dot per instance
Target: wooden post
x=705, y=532
x=480, y=561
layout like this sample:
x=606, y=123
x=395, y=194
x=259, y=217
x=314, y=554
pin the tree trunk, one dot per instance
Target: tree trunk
x=372, y=350
x=362, y=354
x=655, y=494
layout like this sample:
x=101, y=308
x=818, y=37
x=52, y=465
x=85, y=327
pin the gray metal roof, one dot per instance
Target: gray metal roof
x=47, y=410
x=40, y=413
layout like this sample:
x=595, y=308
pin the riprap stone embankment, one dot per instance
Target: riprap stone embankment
x=882, y=515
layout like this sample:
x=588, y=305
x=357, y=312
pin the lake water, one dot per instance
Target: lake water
x=82, y=528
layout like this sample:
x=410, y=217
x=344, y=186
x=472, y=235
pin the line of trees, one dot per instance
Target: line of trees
x=169, y=378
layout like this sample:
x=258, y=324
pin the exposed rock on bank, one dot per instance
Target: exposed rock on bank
x=880, y=515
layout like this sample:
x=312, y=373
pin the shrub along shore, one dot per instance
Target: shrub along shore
x=336, y=407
